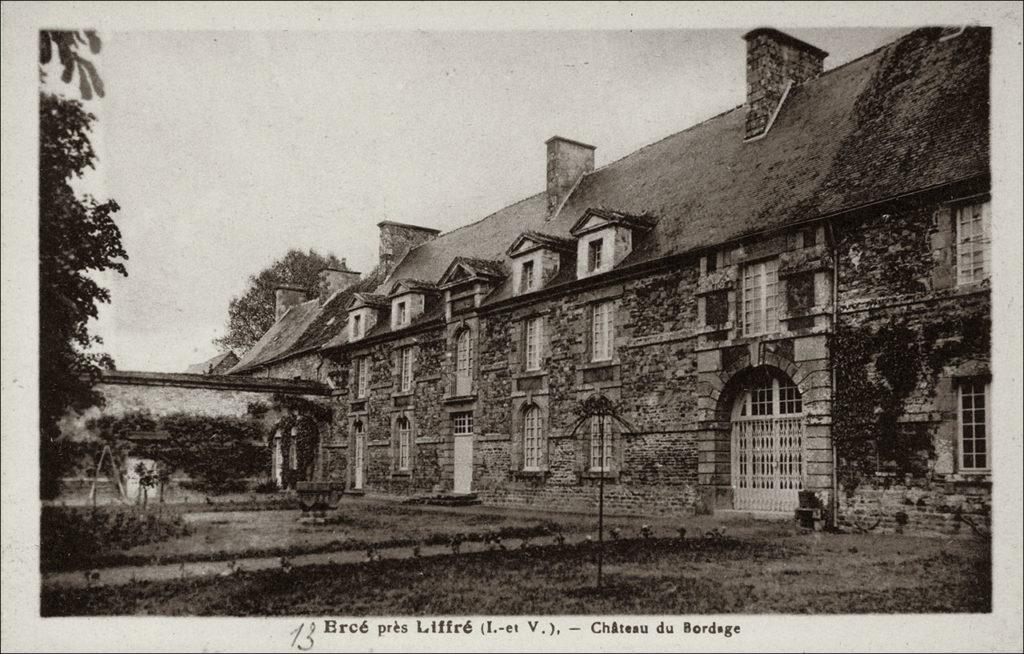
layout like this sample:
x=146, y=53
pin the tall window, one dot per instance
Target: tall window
x=602, y=332
x=600, y=455
x=362, y=376
x=464, y=363
x=534, y=342
x=533, y=438
x=360, y=454
x=594, y=254
x=357, y=327
x=404, y=442
x=462, y=423
x=526, y=277
x=405, y=369
x=759, y=297
x=401, y=315
x=975, y=453
x=973, y=242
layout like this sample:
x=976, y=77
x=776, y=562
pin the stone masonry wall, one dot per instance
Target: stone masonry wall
x=897, y=427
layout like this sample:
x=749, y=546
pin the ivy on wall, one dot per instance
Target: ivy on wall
x=214, y=450
x=876, y=373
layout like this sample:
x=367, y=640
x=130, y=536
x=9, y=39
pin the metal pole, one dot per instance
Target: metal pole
x=600, y=503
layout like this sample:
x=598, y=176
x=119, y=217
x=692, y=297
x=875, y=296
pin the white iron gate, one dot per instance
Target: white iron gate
x=768, y=448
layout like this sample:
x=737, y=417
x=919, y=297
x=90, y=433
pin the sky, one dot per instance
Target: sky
x=225, y=149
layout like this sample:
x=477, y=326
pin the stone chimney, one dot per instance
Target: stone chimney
x=398, y=238
x=287, y=296
x=333, y=280
x=775, y=62
x=568, y=160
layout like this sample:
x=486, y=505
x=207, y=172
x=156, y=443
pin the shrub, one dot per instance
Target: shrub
x=70, y=535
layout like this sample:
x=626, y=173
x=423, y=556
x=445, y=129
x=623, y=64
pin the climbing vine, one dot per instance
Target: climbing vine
x=214, y=450
x=876, y=372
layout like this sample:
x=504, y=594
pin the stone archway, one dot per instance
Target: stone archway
x=766, y=441
x=724, y=388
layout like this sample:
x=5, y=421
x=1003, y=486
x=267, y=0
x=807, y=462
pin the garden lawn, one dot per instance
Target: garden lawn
x=224, y=535
x=771, y=573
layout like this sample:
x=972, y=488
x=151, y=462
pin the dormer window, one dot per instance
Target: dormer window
x=409, y=300
x=605, y=238
x=362, y=314
x=536, y=258
x=594, y=255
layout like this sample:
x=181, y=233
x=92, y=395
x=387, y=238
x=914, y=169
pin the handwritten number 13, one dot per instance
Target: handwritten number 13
x=305, y=643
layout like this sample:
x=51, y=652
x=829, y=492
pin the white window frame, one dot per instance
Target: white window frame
x=533, y=438
x=595, y=444
x=527, y=276
x=973, y=242
x=404, y=427
x=759, y=297
x=405, y=357
x=602, y=331
x=986, y=423
x=534, y=343
x=595, y=247
x=777, y=398
x=464, y=362
x=462, y=423
x=362, y=377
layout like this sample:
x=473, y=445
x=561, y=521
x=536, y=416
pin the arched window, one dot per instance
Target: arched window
x=404, y=442
x=767, y=443
x=533, y=438
x=464, y=363
x=601, y=453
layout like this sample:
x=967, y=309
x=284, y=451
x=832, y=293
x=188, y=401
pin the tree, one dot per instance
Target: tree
x=77, y=237
x=252, y=314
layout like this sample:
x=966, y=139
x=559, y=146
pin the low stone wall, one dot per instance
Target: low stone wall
x=936, y=506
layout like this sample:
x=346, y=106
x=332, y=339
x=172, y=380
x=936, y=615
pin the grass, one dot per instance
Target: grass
x=221, y=536
x=757, y=574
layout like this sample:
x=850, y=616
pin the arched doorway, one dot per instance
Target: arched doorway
x=767, y=442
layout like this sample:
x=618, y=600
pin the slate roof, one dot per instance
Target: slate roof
x=412, y=285
x=211, y=364
x=553, y=242
x=305, y=327
x=910, y=116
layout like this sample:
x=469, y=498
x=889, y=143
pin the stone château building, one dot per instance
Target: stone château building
x=790, y=296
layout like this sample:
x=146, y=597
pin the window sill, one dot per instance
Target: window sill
x=530, y=374
x=407, y=393
x=591, y=365
x=400, y=474
x=459, y=399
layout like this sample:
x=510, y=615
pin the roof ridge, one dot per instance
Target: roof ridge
x=740, y=106
x=475, y=222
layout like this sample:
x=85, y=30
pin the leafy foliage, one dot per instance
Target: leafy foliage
x=251, y=314
x=77, y=237
x=66, y=44
x=215, y=451
x=68, y=535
